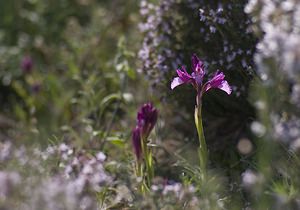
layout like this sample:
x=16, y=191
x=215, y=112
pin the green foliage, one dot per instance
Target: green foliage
x=79, y=70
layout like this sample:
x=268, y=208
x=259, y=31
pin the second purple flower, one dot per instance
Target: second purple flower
x=146, y=119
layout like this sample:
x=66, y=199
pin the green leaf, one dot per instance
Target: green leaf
x=108, y=99
x=116, y=141
x=131, y=73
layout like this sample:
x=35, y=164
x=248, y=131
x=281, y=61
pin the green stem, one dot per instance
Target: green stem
x=139, y=173
x=148, y=161
x=203, y=153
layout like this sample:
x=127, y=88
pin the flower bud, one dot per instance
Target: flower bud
x=146, y=119
x=136, y=142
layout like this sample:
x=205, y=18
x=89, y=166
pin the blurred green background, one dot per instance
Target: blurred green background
x=80, y=66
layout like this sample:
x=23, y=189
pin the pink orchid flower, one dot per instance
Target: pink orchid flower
x=196, y=78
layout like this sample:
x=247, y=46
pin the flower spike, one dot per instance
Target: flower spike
x=146, y=119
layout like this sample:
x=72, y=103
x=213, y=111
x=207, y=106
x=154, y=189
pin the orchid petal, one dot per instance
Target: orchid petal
x=225, y=87
x=197, y=65
x=218, y=81
x=176, y=82
x=183, y=75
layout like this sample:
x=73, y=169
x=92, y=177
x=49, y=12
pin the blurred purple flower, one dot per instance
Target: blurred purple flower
x=36, y=88
x=26, y=64
x=196, y=78
x=136, y=142
x=146, y=119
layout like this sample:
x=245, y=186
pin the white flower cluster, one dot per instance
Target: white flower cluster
x=68, y=185
x=280, y=23
x=278, y=62
x=156, y=49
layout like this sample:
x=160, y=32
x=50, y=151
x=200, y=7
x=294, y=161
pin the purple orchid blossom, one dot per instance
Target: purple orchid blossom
x=146, y=119
x=196, y=78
